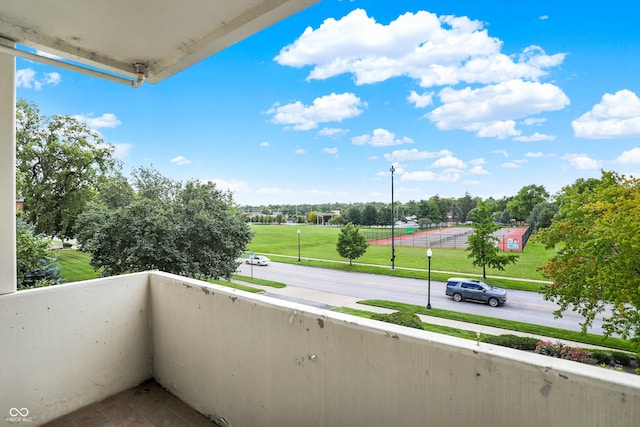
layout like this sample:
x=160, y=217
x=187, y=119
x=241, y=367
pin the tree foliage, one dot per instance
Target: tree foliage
x=522, y=204
x=351, y=244
x=35, y=263
x=59, y=162
x=193, y=229
x=483, y=245
x=597, y=268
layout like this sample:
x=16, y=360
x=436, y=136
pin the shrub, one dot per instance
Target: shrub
x=403, y=318
x=67, y=244
x=621, y=358
x=513, y=341
x=601, y=357
x=575, y=354
x=563, y=352
x=548, y=348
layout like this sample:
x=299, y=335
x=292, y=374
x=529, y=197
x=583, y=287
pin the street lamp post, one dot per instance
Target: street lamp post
x=298, y=245
x=393, y=247
x=429, y=254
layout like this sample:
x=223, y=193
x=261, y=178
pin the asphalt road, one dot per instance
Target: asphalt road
x=521, y=306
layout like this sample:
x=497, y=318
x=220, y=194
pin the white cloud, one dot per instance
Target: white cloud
x=332, y=132
x=478, y=170
x=380, y=138
x=122, y=150
x=27, y=78
x=535, y=155
x=330, y=150
x=225, y=185
x=629, y=157
x=449, y=161
x=300, y=151
x=616, y=116
x=449, y=175
x=510, y=165
x=180, y=161
x=490, y=111
x=582, y=161
x=414, y=154
x=433, y=50
x=535, y=137
x=264, y=144
x=420, y=101
x=503, y=152
x=329, y=108
x=478, y=162
x=107, y=120
x=534, y=121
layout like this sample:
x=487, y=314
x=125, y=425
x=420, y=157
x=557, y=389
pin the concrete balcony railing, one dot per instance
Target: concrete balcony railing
x=256, y=361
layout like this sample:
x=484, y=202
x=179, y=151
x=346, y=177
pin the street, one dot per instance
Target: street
x=521, y=306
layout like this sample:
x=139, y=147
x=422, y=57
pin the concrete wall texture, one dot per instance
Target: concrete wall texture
x=249, y=360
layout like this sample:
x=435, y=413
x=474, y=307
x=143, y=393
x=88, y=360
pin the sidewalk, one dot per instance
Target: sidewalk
x=328, y=301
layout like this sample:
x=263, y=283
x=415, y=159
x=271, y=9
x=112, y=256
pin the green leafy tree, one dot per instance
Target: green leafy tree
x=35, y=263
x=354, y=215
x=337, y=220
x=522, y=204
x=542, y=215
x=351, y=244
x=369, y=215
x=596, y=268
x=194, y=230
x=483, y=245
x=59, y=162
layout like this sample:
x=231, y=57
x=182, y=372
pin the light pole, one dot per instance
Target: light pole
x=429, y=253
x=298, y=245
x=393, y=247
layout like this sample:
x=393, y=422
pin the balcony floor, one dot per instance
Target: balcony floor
x=147, y=404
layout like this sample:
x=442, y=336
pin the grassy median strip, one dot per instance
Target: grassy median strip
x=520, y=285
x=257, y=281
x=445, y=330
x=544, y=331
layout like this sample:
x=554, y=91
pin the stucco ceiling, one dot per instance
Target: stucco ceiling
x=165, y=36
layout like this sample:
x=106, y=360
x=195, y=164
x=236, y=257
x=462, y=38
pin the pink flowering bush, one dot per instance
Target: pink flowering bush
x=562, y=351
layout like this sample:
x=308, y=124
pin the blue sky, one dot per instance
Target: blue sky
x=459, y=96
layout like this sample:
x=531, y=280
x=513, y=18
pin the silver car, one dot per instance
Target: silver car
x=475, y=290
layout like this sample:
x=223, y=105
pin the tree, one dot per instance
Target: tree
x=354, y=215
x=596, y=267
x=193, y=230
x=59, y=161
x=522, y=204
x=351, y=244
x=369, y=215
x=337, y=220
x=483, y=249
x=542, y=215
x=35, y=263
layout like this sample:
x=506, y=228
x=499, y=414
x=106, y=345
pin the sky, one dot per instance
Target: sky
x=457, y=95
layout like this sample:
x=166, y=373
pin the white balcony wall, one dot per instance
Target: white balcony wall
x=257, y=361
x=66, y=346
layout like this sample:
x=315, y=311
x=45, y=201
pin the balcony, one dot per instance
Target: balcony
x=251, y=360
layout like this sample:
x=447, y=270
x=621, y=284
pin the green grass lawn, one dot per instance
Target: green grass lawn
x=320, y=242
x=74, y=265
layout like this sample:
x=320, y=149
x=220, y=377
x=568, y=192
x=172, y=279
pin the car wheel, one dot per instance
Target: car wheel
x=246, y=262
x=457, y=297
x=493, y=302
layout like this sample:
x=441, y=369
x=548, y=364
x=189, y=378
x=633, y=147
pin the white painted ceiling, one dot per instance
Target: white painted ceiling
x=166, y=36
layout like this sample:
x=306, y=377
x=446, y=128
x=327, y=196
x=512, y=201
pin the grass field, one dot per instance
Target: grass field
x=74, y=265
x=320, y=242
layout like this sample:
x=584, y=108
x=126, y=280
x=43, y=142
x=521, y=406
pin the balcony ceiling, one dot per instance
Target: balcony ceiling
x=166, y=36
